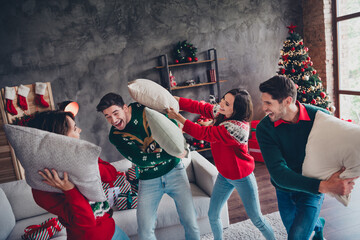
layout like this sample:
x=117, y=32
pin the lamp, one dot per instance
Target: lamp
x=69, y=106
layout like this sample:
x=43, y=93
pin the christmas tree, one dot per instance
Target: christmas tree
x=296, y=64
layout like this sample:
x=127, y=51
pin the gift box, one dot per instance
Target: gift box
x=128, y=201
x=254, y=150
x=43, y=231
x=253, y=126
x=120, y=186
x=134, y=186
x=133, y=173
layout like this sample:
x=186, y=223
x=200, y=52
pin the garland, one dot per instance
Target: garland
x=185, y=52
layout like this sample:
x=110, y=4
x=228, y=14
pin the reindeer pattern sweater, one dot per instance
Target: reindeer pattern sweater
x=136, y=143
x=228, y=140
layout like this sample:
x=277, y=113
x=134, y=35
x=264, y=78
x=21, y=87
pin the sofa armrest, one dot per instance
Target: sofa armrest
x=205, y=172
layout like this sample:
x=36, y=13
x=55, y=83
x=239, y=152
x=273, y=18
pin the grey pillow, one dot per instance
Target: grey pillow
x=37, y=149
x=165, y=132
x=7, y=219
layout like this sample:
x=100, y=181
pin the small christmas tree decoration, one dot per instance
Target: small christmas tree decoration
x=40, y=88
x=172, y=80
x=23, y=92
x=10, y=96
x=185, y=52
x=296, y=64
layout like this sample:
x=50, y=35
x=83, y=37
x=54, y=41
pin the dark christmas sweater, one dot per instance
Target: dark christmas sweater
x=228, y=141
x=136, y=143
x=75, y=212
x=283, y=148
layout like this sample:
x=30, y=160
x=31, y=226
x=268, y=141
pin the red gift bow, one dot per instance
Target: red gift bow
x=53, y=222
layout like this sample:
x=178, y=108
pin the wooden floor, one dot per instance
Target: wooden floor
x=342, y=223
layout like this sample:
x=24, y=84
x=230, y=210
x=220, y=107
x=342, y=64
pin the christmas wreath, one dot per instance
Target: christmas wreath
x=185, y=52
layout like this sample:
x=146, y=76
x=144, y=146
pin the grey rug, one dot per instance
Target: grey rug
x=247, y=231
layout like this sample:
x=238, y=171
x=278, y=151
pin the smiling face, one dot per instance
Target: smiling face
x=117, y=116
x=273, y=108
x=227, y=105
x=73, y=130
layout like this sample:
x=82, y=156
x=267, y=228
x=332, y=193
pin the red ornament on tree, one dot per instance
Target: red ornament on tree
x=189, y=59
x=196, y=59
x=302, y=70
x=322, y=95
x=306, y=49
x=301, y=43
x=314, y=72
x=282, y=71
x=293, y=70
x=202, y=145
x=313, y=101
x=308, y=58
x=293, y=49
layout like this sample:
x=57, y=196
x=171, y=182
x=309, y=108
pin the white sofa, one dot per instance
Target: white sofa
x=18, y=209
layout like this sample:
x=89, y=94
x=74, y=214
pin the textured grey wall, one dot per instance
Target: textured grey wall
x=87, y=48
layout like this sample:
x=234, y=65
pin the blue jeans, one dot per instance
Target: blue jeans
x=119, y=234
x=176, y=184
x=299, y=212
x=248, y=191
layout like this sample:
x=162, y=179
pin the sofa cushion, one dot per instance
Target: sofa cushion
x=21, y=200
x=152, y=95
x=37, y=149
x=165, y=132
x=7, y=219
x=332, y=144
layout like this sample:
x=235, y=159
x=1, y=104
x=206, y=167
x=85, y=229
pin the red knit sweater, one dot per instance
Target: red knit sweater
x=75, y=213
x=228, y=141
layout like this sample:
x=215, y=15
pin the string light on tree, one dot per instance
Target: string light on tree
x=296, y=64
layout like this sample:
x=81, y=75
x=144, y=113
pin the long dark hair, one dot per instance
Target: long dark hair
x=243, y=107
x=52, y=121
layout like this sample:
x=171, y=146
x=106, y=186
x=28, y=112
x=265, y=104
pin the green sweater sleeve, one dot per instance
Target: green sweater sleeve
x=130, y=150
x=281, y=175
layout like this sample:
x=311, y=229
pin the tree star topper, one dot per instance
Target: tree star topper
x=291, y=28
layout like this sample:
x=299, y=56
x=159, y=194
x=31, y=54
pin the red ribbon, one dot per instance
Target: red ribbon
x=53, y=222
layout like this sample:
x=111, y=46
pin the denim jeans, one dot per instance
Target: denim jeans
x=248, y=192
x=176, y=184
x=299, y=212
x=119, y=234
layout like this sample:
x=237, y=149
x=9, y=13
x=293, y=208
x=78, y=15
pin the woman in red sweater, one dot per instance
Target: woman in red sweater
x=228, y=136
x=72, y=208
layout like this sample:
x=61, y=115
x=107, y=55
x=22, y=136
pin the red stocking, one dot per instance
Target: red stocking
x=22, y=94
x=40, y=92
x=10, y=96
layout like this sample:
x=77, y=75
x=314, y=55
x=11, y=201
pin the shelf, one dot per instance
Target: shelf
x=203, y=149
x=196, y=85
x=190, y=63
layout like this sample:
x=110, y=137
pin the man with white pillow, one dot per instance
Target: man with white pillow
x=159, y=171
x=282, y=135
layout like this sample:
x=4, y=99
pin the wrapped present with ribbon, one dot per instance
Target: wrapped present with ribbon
x=43, y=231
x=126, y=201
x=134, y=186
x=133, y=173
x=119, y=186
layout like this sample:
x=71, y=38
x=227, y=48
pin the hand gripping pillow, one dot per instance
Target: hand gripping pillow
x=152, y=95
x=37, y=149
x=332, y=144
x=166, y=133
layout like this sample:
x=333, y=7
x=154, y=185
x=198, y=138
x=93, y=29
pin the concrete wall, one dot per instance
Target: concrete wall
x=87, y=48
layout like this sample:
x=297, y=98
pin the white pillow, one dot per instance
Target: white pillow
x=332, y=144
x=37, y=149
x=166, y=133
x=152, y=95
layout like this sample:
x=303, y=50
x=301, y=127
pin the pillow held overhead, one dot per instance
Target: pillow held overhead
x=166, y=133
x=152, y=95
x=332, y=144
x=37, y=149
